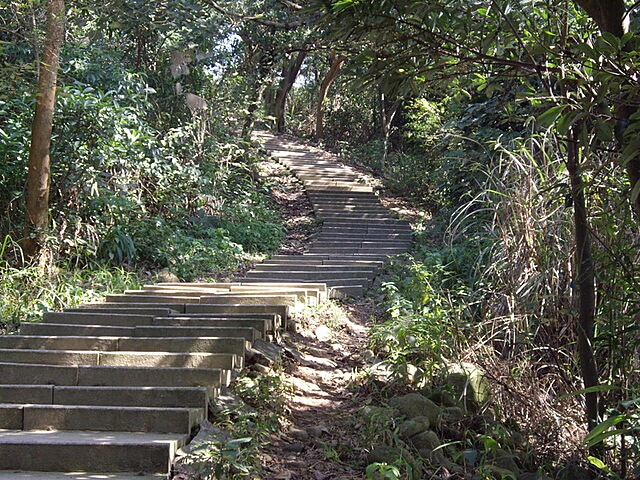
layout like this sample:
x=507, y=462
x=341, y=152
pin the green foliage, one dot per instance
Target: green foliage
x=27, y=293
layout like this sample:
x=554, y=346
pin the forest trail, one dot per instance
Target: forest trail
x=117, y=387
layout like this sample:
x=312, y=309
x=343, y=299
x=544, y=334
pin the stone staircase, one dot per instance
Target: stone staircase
x=115, y=388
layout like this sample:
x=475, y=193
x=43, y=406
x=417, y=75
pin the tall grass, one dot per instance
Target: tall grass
x=26, y=293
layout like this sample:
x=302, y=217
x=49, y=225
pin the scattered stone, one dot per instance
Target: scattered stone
x=265, y=353
x=299, y=434
x=166, y=276
x=226, y=404
x=413, y=426
x=208, y=434
x=294, y=447
x=392, y=455
x=442, y=397
x=316, y=431
x=452, y=414
x=470, y=385
x=258, y=367
x=415, y=405
x=573, y=472
x=427, y=444
x=323, y=333
x=507, y=461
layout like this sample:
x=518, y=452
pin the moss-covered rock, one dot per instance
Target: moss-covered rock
x=416, y=405
x=469, y=385
x=413, y=426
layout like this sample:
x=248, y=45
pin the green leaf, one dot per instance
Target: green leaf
x=596, y=435
x=550, y=116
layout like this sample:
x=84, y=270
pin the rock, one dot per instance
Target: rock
x=442, y=397
x=166, y=276
x=208, y=434
x=258, y=367
x=427, y=444
x=469, y=384
x=294, y=447
x=316, y=431
x=386, y=454
x=416, y=405
x=395, y=456
x=452, y=414
x=507, y=462
x=227, y=404
x=413, y=426
x=469, y=458
x=265, y=353
x=299, y=434
x=323, y=333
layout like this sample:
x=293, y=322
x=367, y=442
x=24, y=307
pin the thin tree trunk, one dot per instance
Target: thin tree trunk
x=289, y=75
x=337, y=62
x=585, y=281
x=39, y=174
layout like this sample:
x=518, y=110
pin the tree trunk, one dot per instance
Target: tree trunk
x=387, y=121
x=337, y=62
x=39, y=175
x=289, y=75
x=585, y=281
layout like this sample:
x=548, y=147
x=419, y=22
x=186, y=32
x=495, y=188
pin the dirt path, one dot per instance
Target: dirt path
x=322, y=440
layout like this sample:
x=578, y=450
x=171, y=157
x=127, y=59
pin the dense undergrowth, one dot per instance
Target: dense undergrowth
x=490, y=280
x=140, y=182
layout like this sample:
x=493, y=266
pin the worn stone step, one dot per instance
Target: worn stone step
x=13, y=475
x=301, y=267
x=118, y=307
x=168, y=397
x=324, y=275
x=36, y=374
x=98, y=318
x=281, y=310
x=248, y=333
x=102, y=418
x=149, y=298
x=236, y=345
x=234, y=285
x=262, y=325
x=360, y=281
x=139, y=359
x=385, y=250
x=60, y=451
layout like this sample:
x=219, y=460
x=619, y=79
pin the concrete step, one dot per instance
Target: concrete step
x=12, y=475
x=166, y=397
x=140, y=359
x=36, y=374
x=347, y=250
x=60, y=451
x=262, y=325
x=248, y=333
x=324, y=275
x=360, y=281
x=236, y=345
x=297, y=267
x=98, y=318
x=102, y=418
x=148, y=298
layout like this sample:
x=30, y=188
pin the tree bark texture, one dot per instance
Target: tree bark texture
x=39, y=171
x=289, y=75
x=584, y=281
x=337, y=62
